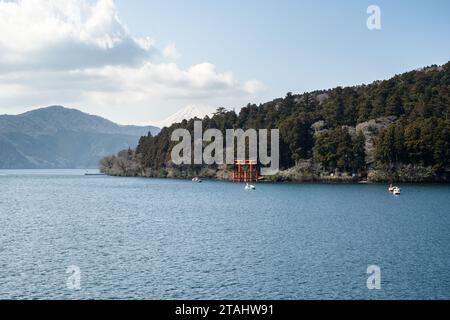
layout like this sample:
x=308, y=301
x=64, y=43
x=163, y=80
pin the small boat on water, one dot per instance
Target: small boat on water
x=197, y=180
x=249, y=187
x=94, y=174
x=394, y=190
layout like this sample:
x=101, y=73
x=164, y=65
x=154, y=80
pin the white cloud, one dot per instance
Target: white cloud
x=162, y=81
x=8, y=91
x=171, y=52
x=79, y=52
x=253, y=86
x=65, y=34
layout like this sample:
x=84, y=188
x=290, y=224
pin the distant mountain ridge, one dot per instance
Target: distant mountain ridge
x=58, y=137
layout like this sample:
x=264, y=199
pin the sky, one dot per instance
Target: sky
x=138, y=62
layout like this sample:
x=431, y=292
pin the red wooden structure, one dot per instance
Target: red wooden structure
x=245, y=171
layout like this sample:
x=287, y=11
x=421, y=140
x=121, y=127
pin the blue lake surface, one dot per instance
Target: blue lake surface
x=167, y=239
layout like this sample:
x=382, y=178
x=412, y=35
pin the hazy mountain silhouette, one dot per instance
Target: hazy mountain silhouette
x=57, y=137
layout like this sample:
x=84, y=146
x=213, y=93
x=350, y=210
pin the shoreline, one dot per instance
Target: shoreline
x=324, y=181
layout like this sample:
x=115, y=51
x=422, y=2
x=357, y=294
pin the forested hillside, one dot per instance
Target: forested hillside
x=397, y=129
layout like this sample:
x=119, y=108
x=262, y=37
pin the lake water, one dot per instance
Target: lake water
x=166, y=239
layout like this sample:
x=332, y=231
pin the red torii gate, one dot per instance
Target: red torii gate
x=245, y=171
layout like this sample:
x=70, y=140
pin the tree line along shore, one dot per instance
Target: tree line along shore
x=391, y=130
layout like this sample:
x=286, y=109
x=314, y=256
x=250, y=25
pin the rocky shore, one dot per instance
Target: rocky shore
x=127, y=164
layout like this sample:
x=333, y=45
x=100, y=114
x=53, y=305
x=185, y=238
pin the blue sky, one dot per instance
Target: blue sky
x=138, y=62
x=296, y=45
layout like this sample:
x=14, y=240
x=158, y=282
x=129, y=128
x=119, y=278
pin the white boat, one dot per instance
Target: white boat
x=249, y=187
x=394, y=189
x=197, y=180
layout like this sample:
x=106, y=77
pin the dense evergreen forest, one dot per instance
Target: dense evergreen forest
x=397, y=129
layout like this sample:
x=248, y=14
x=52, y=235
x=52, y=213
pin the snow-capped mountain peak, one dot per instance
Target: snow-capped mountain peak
x=186, y=113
